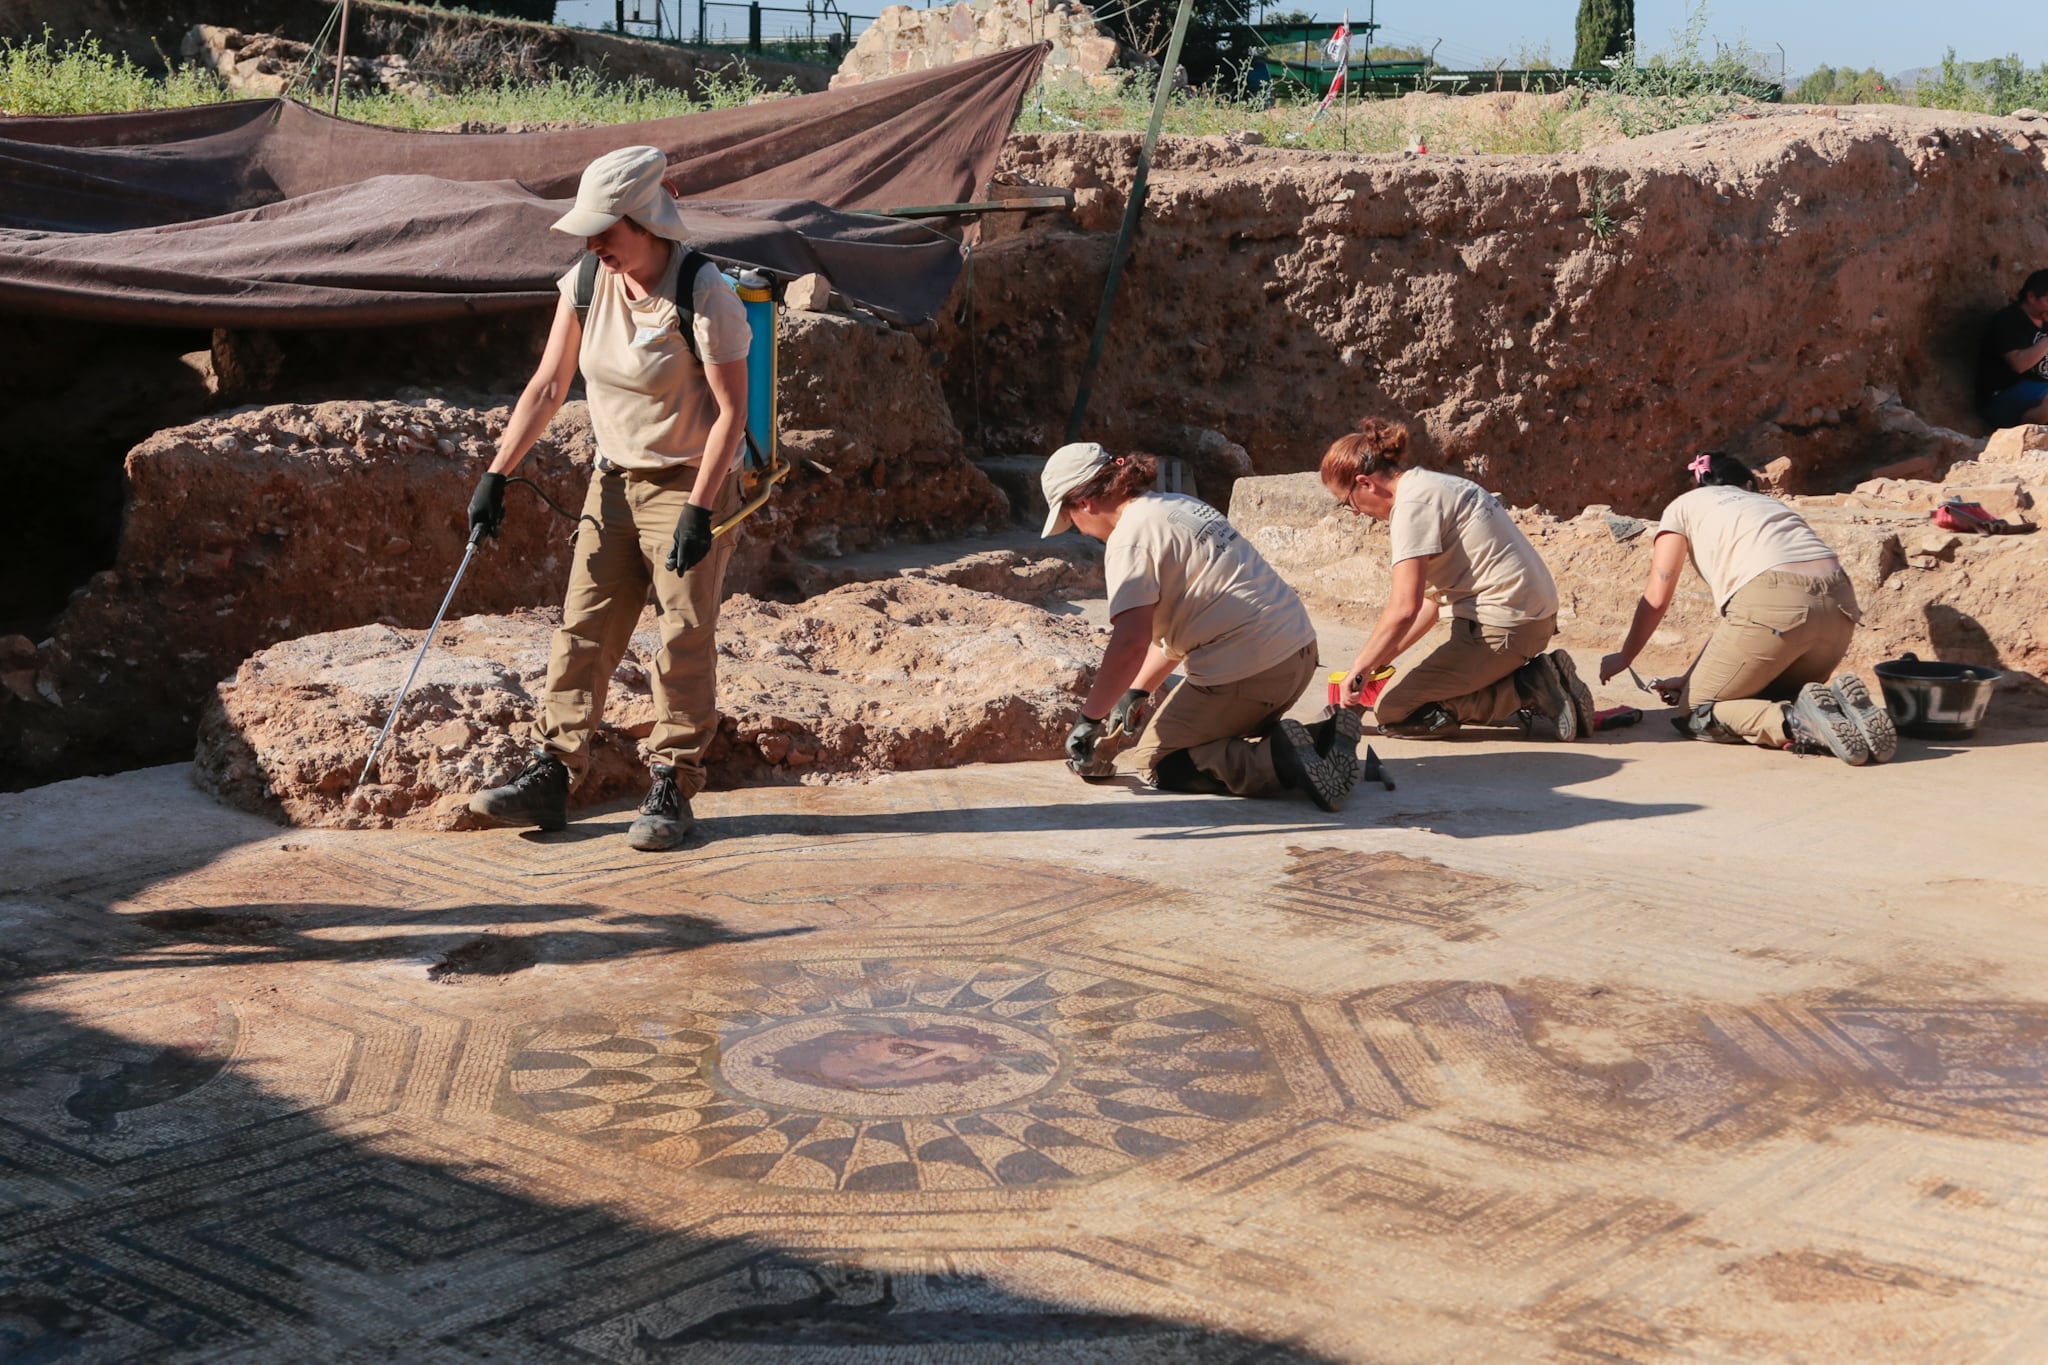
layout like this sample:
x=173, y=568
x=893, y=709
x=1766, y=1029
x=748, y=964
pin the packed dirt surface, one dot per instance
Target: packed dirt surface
x=262, y=525
x=1806, y=285
x=1934, y=593
x=970, y=662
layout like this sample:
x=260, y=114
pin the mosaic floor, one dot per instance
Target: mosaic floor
x=1629, y=1053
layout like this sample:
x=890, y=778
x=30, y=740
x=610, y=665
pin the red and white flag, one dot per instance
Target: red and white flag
x=1339, y=48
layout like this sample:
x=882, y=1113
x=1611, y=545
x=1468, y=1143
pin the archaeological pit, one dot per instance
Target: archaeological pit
x=1634, y=1051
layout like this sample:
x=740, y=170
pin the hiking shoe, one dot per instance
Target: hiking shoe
x=665, y=819
x=1341, y=723
x=1870, y=717
x=1327, y=780
x=1544, y=686
x=538, y=796
x=1432, y=721
x=1816, y=723
x=1582, y=695
x=1701, y=723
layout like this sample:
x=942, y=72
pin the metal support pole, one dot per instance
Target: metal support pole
x=754, y=26
x=340, y=61
x=1134, y=206
x=469, y=552
x=619, y=17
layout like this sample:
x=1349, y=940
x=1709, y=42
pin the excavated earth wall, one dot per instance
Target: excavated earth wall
x=1804, y=286
x=258, y=526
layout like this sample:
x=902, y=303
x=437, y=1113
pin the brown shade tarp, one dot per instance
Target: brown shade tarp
x=268, y=213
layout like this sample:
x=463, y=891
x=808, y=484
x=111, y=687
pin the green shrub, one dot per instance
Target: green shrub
x=1998, y=86
x=1679, y=86
x=43, y=77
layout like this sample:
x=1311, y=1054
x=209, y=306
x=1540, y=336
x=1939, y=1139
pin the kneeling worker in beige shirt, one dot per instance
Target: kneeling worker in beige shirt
x=1787, y=614
x=1185, y=588
x=1454, y=545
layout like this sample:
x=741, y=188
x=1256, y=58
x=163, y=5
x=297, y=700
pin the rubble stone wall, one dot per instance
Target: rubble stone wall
x=266, y=524
x=1801, y=285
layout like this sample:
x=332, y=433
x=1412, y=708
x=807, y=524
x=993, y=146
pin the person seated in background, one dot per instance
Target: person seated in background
x=1787, y=614
x=2012, y=366
x=1185, y=588
x=1454, y=543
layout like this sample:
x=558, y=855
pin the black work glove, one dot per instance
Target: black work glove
x=487, y=505
x=693, y=538
x=1081, y=739
x=1127, y=715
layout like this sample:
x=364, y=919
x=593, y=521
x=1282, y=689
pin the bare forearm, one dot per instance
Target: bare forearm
x=537, y=406
x=1394, y=632
x=2022, y=361
x=1158, y=663
x=1647, y=618
x=711, y=473
x=1121, y=662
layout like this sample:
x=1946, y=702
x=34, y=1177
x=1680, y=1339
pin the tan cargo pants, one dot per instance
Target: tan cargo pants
x=1222, y=727
x=1470, y=675
x=614, y=563
x=1779, y=632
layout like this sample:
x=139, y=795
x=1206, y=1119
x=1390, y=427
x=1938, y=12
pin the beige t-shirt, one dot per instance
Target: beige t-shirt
x=1735, y=534
x=649, y=405
x=1480, y=564
x=1218, y=605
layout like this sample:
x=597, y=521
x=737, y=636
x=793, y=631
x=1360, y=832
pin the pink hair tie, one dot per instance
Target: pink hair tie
x=1700, y=466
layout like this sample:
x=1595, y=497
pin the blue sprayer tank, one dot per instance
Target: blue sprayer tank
x=759, y=298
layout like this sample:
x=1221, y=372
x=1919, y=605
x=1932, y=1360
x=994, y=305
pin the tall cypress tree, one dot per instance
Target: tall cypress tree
x=1604, y=29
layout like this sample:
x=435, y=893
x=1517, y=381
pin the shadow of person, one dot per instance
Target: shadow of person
x=178, y=1188
x=1485, y=795
x=1960, y=638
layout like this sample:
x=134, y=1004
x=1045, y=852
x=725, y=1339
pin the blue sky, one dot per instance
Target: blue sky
x=1892, y=35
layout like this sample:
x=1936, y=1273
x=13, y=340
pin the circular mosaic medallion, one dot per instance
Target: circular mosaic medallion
x=927, y=1074
x=889, y=1065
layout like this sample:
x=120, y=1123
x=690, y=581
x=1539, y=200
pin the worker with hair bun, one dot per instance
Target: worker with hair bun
x=1454, y=545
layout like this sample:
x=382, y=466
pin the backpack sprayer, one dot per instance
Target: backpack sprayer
x=761, y=463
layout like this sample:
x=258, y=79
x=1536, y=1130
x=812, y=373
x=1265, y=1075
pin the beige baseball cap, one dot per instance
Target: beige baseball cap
x=624, y=184
x=1069, y=467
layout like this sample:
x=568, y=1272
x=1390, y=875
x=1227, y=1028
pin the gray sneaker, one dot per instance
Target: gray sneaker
x=1880, y=736
x=1543, y=685
x=665, y=819
x=1816, y=723
x=1582, y=695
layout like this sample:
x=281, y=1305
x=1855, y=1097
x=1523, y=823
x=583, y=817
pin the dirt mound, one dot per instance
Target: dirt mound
x=268, y=524
x=910, y=672
x=1964, y=598
x=1558, y=326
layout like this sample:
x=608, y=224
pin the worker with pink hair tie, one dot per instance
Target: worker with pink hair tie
x=1787, y=615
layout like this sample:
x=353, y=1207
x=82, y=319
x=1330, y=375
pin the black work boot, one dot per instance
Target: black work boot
x=665, y=819
x=1542, y=684
x=1431, y=721
x=1815, y=723
x=538, y=796
x=1327, y=781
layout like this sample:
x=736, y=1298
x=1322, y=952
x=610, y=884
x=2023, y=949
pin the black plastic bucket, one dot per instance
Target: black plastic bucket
x=1936, y=700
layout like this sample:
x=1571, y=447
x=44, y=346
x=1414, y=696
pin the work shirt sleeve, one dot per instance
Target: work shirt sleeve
x=723, y=334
